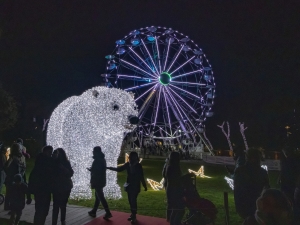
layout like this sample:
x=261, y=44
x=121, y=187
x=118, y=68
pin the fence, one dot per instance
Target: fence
x=224, y=160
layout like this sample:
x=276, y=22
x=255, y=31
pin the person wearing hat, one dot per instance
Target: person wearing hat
x=18, y=192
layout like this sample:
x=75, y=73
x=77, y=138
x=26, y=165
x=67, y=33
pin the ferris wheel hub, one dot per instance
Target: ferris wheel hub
x=165, y=78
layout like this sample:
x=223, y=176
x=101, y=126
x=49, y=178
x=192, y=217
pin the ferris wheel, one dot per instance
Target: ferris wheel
x=170, y=76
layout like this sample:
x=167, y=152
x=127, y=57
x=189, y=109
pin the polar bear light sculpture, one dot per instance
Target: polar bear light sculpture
x=98, y=117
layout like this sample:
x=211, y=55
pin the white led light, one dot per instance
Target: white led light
x=199, y=173
x=98, y=117
x=155, y=185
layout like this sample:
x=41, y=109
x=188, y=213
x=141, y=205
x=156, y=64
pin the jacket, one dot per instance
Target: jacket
x=18, y=192
x=98, y=172
x=135, y=176
x=62, y=176
x=249, y=182
x=12, y=167
x=42, y=175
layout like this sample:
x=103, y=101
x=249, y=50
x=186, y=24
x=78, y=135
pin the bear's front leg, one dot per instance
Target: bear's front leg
x=81, y=178
x=112, y=190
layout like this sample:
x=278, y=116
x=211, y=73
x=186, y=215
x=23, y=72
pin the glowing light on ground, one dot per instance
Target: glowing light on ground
x=199, y=173
x=156, y=186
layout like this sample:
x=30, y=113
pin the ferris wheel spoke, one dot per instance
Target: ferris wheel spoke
x=180, y=119
x=181, y=65
x=138, y=86
x=185, y=91
x=150, y=57
x=141, y=59
x=182, y=110
x=175, y=58
x=187, y=83
x=184, y=101
x=174, y=102
x=166, y=59
x=167, y=107
x=158, y=55
x=146, y=104
x=135, y=78
x=146, y=92
x=128, y=63
x=186, y=74
x=157, y=108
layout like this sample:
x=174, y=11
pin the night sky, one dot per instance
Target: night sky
x=50, y=51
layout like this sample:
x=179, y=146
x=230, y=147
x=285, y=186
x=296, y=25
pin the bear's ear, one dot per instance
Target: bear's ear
x=95, y=93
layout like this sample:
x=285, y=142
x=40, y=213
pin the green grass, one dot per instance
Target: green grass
x=153, y=203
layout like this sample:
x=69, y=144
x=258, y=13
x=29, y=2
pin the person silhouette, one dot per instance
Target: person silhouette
x=98, y=182
x=135, y=176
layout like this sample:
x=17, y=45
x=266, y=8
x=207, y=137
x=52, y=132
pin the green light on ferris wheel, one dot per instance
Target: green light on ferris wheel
x=165, y=78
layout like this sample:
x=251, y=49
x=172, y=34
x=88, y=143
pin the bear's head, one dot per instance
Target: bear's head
x=110, y=107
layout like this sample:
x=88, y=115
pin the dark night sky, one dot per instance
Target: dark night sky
x=50, y=51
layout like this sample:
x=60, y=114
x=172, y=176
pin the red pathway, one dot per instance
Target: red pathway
x=121, y=218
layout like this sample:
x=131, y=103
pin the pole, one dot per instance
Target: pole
x=227, y=220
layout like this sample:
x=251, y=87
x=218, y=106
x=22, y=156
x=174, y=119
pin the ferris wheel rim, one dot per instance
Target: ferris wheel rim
x=158, y=72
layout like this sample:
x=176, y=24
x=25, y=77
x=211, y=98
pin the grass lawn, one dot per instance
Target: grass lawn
x=152, y=203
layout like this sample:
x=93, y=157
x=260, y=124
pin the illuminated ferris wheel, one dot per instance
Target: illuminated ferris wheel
x=170, y=76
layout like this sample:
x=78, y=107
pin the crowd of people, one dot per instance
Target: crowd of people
x=51, y=177
x=256, y=202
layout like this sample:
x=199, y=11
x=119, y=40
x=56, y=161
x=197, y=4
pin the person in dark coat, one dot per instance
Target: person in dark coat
x=3, y=160
x=98, y=182
x=12, y=167
x=19, y=190
x=249, y=181
x=174, y=190
x=40, y=184
x=62, y=185
x=135, y=176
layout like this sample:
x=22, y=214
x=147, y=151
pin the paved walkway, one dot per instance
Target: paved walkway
x=76, y=215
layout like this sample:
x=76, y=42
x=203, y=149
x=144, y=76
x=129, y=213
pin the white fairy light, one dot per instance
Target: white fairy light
x=155, y=185
x=199, y=173
x=229, y=182
x=98, y=117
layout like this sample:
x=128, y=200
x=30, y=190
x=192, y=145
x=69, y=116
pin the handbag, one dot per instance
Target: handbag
x=126, y=186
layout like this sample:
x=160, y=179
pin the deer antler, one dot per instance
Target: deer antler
x=242, y=130
x=227, y=135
